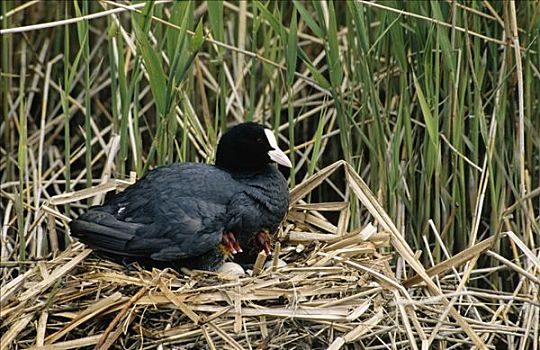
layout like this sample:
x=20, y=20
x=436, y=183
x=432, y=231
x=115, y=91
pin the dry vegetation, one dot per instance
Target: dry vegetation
x=413, y=129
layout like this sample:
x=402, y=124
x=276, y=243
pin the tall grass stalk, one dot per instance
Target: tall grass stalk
x=84, y=38
x=290, y=60
x=65, y=108
x=22, y=158
x=6, y=87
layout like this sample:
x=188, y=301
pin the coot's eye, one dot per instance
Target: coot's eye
x=259, y=140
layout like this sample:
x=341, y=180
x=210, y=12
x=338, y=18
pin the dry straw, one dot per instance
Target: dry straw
x=336, y=289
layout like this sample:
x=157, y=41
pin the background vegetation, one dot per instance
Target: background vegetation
x=435, y=104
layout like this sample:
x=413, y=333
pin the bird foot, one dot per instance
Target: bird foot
x=230, y=243
x=264, y=241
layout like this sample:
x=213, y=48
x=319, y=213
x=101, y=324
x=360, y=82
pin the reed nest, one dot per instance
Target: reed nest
x=325, y=287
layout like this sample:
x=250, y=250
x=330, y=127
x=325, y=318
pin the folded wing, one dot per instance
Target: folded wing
x=165, y=216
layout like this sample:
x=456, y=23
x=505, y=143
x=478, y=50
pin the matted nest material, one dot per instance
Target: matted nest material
x=78, y=299
x=332, y=287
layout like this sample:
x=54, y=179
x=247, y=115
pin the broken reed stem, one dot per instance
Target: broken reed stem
x=259, y=263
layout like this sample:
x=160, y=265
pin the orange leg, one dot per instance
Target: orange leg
x=264, y=241
x=230, y=243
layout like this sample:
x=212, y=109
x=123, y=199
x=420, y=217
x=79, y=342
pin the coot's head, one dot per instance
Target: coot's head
x=249, y=147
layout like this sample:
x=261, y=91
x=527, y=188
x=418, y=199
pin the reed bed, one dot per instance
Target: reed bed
x=412, y=127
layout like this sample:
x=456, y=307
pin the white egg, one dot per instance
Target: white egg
x=280, y=263
x=231, y=269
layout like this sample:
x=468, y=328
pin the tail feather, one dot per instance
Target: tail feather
x=104, y=232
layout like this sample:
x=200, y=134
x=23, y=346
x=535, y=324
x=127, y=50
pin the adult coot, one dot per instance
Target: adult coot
x=195, y=215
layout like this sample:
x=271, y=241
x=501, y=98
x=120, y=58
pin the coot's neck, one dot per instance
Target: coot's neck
x=266, y=169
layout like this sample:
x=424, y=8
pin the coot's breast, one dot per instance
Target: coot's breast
x=261, y=207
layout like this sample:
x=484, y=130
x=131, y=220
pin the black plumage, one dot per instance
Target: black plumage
x=190, y=214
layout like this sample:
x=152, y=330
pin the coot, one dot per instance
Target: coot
x=196, y=215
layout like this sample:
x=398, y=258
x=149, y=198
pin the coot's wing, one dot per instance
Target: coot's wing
x=179, y=232
x=173, y=213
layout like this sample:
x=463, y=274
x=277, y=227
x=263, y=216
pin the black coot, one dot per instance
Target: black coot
x=193, y=215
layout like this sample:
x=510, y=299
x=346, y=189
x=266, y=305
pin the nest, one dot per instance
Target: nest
x=87, y=301
x=324, y=288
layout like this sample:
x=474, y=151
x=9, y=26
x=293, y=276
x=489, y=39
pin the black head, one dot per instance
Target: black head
x=249, y=147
